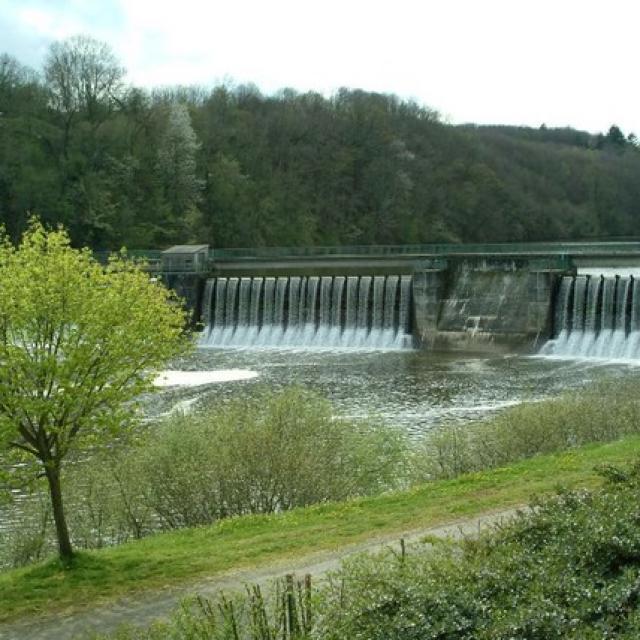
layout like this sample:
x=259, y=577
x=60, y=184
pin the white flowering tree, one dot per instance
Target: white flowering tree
x=177, y=163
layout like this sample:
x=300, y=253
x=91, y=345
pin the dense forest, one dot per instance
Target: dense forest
x=228, y=166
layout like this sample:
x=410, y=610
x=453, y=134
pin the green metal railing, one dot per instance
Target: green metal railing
x=556, y=255
x=385, y=250
x=524, y=248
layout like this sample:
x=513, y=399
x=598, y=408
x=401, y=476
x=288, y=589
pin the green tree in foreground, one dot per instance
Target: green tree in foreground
x=78, y=342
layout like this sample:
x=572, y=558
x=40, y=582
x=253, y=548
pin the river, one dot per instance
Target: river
x=413, y=390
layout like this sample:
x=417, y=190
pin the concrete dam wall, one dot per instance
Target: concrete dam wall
x=465, y=305
x=480, y=306
x=492, y=298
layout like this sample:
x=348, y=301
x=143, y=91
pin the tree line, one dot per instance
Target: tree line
x=120, y=165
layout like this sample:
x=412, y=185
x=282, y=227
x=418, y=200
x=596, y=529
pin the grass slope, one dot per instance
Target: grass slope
x=180, y=556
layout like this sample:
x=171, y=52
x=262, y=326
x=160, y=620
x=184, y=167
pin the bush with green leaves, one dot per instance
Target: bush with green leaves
x=29, y=536
x=567, y=568
x=602, y=413
x=266, y=453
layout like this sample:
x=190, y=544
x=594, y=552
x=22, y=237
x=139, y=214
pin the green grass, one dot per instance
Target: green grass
x=251, y=541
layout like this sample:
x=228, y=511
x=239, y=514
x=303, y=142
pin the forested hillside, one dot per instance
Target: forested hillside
x=118, y=165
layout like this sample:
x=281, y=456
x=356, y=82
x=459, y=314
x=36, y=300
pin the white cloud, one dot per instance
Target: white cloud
x=562, y=62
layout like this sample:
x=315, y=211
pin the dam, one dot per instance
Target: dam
x=300, y=311
x=470, y=307
x=493, y=298
x=596, y=317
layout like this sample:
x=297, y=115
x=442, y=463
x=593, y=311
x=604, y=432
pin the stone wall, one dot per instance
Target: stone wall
x=494, y=306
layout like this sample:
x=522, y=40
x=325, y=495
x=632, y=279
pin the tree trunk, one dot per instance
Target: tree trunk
x=62, y=532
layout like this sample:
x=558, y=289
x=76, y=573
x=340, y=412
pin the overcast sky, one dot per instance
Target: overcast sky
x=562, y=62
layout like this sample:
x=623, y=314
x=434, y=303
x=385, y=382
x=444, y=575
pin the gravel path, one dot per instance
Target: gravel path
x=149, y=606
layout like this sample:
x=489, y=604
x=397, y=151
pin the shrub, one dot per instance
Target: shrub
x=600, y=414
x=269, y=453
x=28, y=536
x=566, y=569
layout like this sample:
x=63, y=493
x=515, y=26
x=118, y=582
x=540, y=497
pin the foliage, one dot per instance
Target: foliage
x=568, y=568
x=288, y=169
x=529, y=429
x=177, y=166
x=78, y=343
x=28, y=538
x=255, y=541
x=82, y=75
x=268, y=454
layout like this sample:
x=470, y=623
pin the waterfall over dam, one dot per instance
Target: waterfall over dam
x=596, y=317
x=471, y=303
x=361, y=312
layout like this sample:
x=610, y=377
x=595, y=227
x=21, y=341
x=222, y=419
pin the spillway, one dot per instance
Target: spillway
x=330, y=312
x=596, y=317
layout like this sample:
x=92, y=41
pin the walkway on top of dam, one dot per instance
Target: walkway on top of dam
x=543, y=256
x=434, y=250
x=557, y=256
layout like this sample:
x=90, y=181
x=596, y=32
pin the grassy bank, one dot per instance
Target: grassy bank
x=184, y=555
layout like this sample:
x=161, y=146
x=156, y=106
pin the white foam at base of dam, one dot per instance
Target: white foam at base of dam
x=314, y=312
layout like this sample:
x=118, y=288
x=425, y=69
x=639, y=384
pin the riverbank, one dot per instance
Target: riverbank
x=147, y=609
x=176, y=559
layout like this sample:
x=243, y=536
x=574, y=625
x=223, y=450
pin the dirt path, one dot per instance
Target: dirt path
x=144, y=608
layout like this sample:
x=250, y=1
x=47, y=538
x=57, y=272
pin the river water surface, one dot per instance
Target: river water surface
x=413, y=390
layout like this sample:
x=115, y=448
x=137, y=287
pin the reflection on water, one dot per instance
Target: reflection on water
x=414, y=390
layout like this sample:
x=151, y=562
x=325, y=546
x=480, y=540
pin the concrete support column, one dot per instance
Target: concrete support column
x=189, y=287
x=542, y=286
x=428, y=289
x=493, y=306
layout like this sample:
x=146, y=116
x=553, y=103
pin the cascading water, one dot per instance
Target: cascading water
x=596, y=317
x=364, y=312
